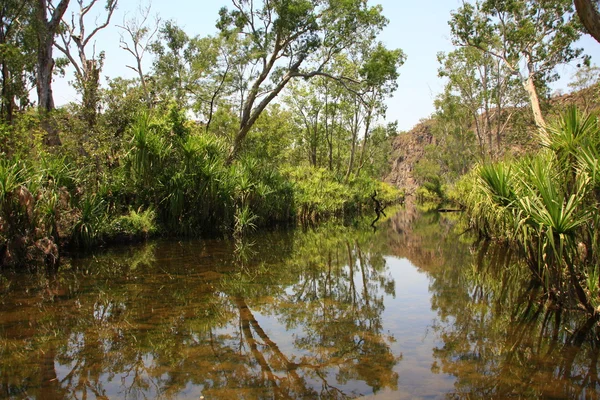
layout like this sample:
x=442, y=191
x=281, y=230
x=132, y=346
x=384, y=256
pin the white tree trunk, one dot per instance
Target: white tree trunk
x=529, y=86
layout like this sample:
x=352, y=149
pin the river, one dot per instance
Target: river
x=412, y=309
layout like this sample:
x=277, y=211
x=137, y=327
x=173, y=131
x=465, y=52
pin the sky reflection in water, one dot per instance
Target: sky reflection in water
x=407, y=311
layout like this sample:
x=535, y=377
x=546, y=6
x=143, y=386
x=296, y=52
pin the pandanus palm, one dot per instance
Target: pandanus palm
x=549, y=204
x=553, y=218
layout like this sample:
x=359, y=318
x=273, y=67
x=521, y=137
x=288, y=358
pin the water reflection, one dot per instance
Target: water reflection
x=501, y=337
x=298, y=316
x=411, y=310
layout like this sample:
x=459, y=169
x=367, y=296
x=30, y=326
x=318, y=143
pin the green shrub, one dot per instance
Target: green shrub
x=389, y=194
x=319, y=194
x=428, y=199
x=134, y=225
x=89, y=226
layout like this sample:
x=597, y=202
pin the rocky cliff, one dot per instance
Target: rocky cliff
x=407, y=149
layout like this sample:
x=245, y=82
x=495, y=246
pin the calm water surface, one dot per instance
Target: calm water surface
x=412, y=310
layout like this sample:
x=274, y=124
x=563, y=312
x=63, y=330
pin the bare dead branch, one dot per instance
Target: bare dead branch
x=112, y=5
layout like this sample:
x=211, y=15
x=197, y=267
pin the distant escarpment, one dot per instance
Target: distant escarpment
x=415, y=151
x=407, y=149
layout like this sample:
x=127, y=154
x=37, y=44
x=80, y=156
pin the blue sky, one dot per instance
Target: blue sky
x=419, y=28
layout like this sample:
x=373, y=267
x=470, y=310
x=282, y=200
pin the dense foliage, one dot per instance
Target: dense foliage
x=199, y=144
x=491, y=152
x=497, y=90
x=546, y=205
x=279, y=117
x=164, y=174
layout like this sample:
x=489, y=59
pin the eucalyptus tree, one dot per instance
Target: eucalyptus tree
x=17, y=55
x=323, y=105
x=486, y=88
x=322, y=111
x=372, y=70
x=274, y=138
x=87, y=69
x=463, y=89
x=137, y=34
x=376, y=159
x=332, y=126
x=220, y=67
x=170, y=64
x=49, y=17
x=588, y=13
x=456, y=149
x=307, y=105
x=530, y=37
x=47, y=22
x=193, y=70
x=379, y=74
x=241, y=67
x=332, y=114
x=292, y=39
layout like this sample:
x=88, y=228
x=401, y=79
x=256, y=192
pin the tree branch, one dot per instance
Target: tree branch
x=589, y=16
x=111, y=6
x=67, y=53
x=57, y=15
x=342, y=80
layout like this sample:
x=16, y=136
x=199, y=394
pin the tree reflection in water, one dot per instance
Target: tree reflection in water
x=293, y=315
x=300, y=317
x=499, y=336
x=503, y=338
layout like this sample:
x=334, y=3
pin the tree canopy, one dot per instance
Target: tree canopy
x=295, y=39
x=530, y=37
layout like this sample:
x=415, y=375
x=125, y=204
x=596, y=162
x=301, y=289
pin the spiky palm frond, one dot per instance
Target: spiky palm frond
x=546, y=206
x=567, y=133
x=497, y=182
